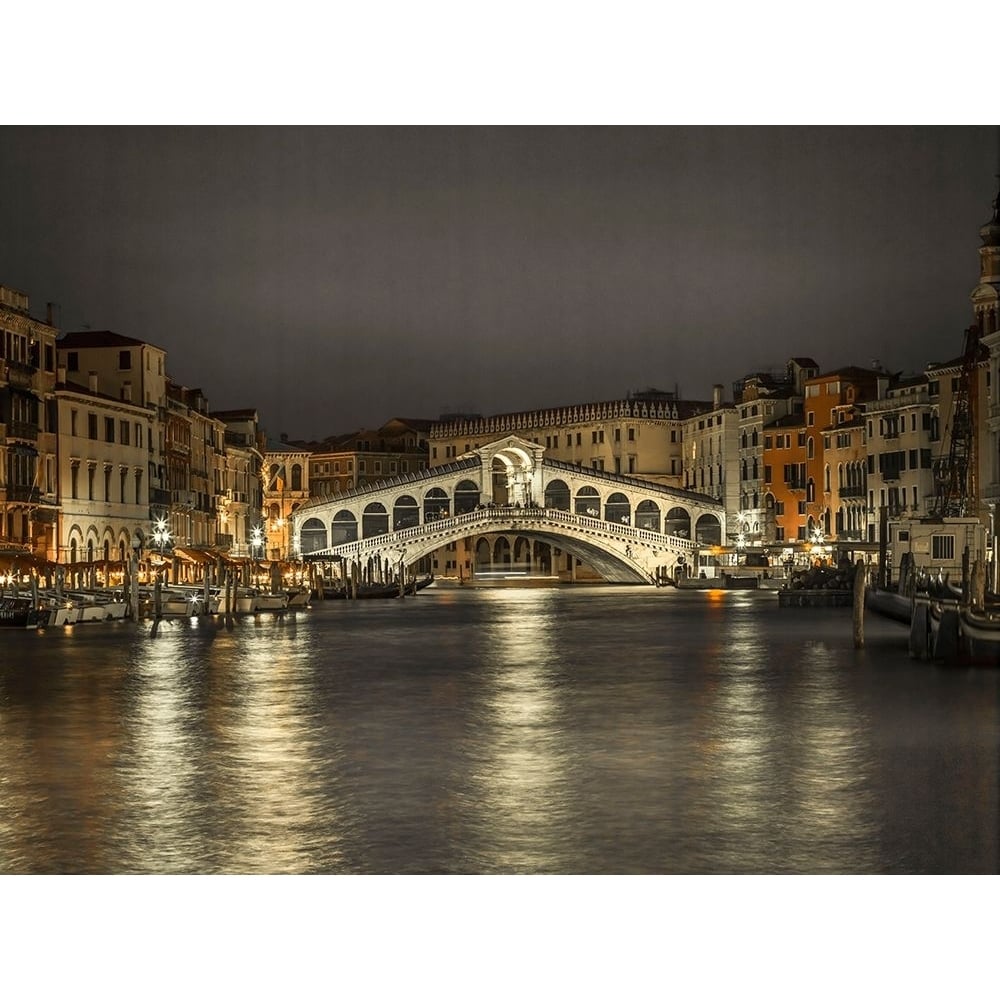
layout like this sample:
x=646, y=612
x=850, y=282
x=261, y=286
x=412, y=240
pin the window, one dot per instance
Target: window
x=593, y=437
x=107, y=484
x=92, y=426
x=90, y=481
x=125, y=361
x=109, y=429
x=75, y=481
x=811, y=418
x=942, y=546
x=124, y=475
x=124, y=431
x=73, y=361
x=631, y=434
x=72, y=422
x=618, y=434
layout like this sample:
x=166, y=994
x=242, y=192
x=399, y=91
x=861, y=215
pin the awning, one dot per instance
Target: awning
x=195, y=555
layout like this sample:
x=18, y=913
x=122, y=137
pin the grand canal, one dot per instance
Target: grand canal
x=569, y=730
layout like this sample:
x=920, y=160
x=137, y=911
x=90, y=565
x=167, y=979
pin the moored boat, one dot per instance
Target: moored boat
x=889, y=604
x=981, y=632
x=19, y=612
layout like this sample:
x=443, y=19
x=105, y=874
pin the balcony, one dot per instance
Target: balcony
x=224, y=542
x=20, y=375
x=852, y=492
x=23, y=430
x=22, y=494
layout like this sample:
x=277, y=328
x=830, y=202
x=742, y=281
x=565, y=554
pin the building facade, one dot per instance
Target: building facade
x=28, y=489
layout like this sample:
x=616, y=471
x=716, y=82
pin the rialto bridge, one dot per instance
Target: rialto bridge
x=627, y=529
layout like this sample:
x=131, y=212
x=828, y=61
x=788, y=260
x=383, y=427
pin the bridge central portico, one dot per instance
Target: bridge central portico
x=629, y=530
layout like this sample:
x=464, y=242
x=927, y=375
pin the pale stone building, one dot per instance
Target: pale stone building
x=103, y=482
x=240, y=500
x=712, y=456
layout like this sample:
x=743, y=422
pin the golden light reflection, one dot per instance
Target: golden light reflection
x=526, y=773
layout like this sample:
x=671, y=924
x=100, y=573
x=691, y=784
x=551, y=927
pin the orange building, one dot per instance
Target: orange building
x=785, y=477
x=832, y=401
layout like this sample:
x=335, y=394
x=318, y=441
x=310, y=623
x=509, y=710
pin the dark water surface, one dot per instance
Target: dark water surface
x=574, y=730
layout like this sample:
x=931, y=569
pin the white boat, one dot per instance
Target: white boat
x=179, y=604
x=298, y=597
x=245, y=602
x=272, y=602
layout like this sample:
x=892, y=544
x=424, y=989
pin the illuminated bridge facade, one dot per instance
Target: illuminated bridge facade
x=628, y=530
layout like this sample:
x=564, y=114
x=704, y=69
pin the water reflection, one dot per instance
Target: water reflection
x=522, y=780
x=586, y=730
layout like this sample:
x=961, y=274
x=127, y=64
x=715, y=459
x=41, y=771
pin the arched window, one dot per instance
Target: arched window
x=557, y=495
x=810, y=447
x=344, y=528
x=647, y=516
x=374, y=521
x=588, y=502
x=618, y=509
x=312, y=537
x=466, y=496
x=72, y=550
x=826, y=477
x=436, y=504
x=296, y=477
x=677, y=522
x=708, y=530
x=405, y=513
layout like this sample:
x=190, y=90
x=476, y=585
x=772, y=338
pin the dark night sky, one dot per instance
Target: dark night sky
x=336, y=277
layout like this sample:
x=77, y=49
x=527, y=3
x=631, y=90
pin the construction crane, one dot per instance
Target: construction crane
x=956, y=479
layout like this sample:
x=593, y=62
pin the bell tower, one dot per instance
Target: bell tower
x=986, y=295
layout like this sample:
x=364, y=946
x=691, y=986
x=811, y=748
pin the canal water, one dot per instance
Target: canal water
x=562, y=730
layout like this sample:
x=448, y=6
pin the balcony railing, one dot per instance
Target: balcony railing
x=23, y=430
x=22, y=494
x=224, y=542
x=852, y=492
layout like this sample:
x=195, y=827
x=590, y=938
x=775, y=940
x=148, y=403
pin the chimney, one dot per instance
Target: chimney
x=93, y=381
x=716, y=396
x=61, y=374
x=127, y=392
x=51, y=313
x=883, y=386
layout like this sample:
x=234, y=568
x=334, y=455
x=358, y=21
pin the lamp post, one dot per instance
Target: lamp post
x=256, y=544
x=161, y=538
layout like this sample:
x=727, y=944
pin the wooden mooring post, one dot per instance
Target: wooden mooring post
x=859, y=604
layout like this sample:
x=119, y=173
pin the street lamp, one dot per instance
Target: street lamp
x=256, y=544
x=741, y=544
x=161, y=534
